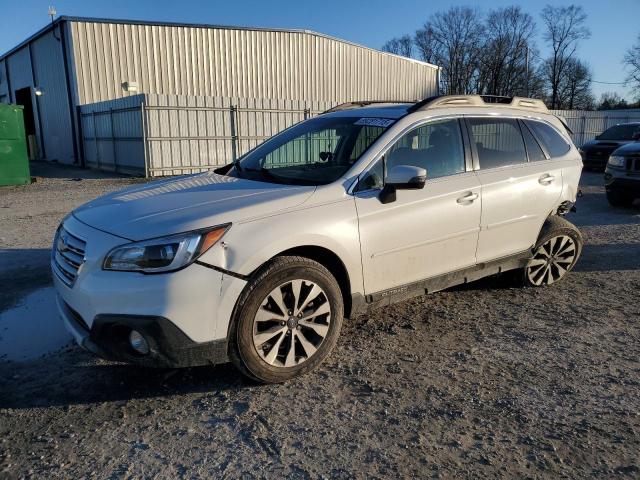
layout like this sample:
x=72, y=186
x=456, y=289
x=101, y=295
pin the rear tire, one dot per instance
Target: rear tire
x=287, y=320
x=617, y=199
x=555, y=254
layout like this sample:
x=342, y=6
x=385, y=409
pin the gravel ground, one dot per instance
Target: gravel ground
x=474, y=382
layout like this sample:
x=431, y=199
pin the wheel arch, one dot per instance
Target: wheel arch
x=331, y=261
x=554, y=221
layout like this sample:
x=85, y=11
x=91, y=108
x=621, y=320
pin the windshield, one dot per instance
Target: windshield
x=314, y=152
x=619, y=132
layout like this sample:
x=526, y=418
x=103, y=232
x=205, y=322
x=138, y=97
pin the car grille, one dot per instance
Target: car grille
x=67, y=255
x=633, y=164
x=600, y=156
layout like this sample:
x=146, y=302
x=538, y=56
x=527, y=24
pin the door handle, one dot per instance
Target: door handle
x=467, y=198
x=546, y=179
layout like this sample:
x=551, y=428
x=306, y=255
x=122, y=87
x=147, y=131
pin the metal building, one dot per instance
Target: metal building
x=78, y=61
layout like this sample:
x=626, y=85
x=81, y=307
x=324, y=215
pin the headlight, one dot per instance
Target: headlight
x=616, y=161
x=163, y=254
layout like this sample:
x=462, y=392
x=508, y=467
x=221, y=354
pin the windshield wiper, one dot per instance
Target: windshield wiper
x=265, y=173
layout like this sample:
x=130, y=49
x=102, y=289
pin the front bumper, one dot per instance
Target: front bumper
x=596, y=156
x=623, y=182
x=168, y=345
x=183, y=315
x=592, y=161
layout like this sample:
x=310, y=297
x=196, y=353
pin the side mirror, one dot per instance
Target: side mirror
x=402, y=177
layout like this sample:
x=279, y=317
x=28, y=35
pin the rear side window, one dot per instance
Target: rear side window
x=498, y=142
x=533, y=148
x=550, y=138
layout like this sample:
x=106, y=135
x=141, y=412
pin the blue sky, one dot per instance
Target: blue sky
x=613, y=23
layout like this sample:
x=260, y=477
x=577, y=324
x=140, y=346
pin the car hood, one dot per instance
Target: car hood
x=187, y=203
x=628, y=149
x=604, y=144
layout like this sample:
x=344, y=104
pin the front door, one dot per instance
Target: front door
x=427, y=232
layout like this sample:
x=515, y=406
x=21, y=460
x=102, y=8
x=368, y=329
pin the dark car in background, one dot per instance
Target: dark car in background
x=622, y=175
x=595, y=153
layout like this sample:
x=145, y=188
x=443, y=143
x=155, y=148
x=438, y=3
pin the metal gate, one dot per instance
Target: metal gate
x=159, y=135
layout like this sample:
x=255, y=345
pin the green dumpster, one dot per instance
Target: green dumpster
x=14, y=163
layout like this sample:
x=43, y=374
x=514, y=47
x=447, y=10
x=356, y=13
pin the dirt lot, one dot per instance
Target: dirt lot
x=475, y=382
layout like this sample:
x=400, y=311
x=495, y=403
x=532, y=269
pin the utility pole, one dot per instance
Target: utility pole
x=527, y=70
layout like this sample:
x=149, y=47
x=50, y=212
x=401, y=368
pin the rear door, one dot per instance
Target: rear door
x=517, y=194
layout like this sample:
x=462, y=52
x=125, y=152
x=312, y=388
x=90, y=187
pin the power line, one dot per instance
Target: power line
x=540, y=58
x=609, y=83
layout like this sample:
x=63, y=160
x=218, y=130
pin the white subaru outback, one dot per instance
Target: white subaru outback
x=369, y=203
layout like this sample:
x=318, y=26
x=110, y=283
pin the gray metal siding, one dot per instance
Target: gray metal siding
x=19, y=65
x=54, y=103
x=226, y=62
x=5, y=95
x=21, y=76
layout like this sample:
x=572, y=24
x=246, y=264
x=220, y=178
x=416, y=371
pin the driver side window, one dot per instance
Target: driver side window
x=435, y=146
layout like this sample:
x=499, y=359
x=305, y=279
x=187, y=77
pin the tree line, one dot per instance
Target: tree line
x=496, y=54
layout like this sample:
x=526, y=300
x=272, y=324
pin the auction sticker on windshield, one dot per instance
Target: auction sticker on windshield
x=375, y=122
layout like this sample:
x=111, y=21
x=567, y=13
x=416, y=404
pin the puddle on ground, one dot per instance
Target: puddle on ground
x=32, y=328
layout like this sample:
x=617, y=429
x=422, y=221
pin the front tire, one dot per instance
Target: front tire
x=287, y=320
x=556, y=252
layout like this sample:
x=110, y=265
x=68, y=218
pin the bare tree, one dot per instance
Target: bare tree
x=506, y=52
x=400, y=46
x=565, y=27
x=575, y=88
x=453, y=40
x=612, y=101
x=632, y=62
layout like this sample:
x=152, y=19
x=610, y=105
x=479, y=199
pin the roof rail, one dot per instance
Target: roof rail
x=362, y=103
x=479, y=101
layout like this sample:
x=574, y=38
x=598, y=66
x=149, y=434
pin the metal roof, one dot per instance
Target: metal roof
x=65, y=18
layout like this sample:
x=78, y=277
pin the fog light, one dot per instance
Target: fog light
x=138, y=342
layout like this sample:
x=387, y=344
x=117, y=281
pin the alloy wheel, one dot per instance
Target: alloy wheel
x=291, y=323
x=552, y=260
